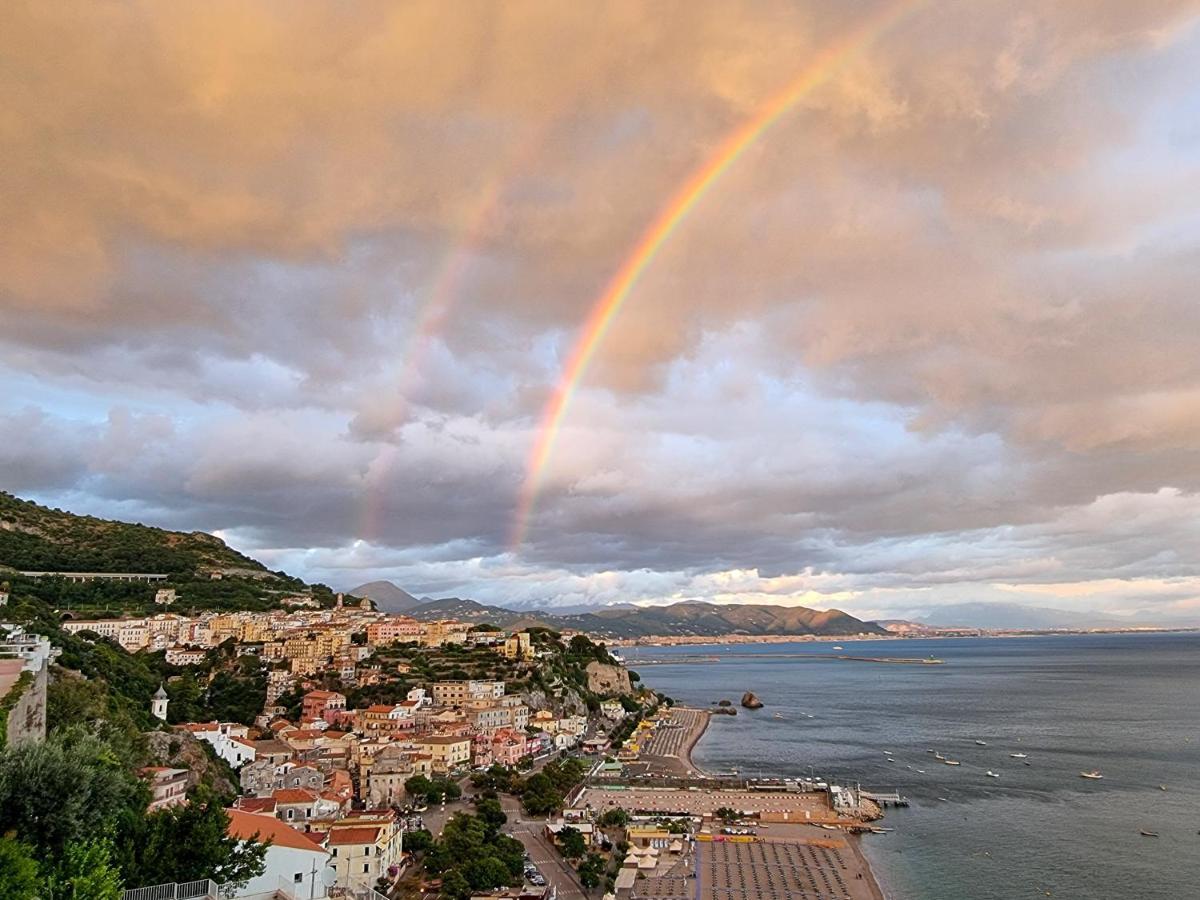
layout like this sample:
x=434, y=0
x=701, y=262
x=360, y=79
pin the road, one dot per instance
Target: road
x=557, y=872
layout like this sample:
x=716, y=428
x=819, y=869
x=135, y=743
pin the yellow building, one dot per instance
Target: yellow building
x=448, y=751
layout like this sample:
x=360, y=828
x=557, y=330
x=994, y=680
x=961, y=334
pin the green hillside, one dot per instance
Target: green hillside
x=37, y=538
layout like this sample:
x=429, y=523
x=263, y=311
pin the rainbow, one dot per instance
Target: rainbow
x=440, y=298
x=682, y=202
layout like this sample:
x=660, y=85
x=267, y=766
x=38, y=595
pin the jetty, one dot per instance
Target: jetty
x=892, y=799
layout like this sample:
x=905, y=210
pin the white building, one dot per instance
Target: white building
x=228, y=740
x=295, y=862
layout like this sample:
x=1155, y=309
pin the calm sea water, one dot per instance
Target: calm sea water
x=1127, y=705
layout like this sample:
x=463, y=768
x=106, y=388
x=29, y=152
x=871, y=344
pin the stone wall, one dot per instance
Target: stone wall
x=26, y=706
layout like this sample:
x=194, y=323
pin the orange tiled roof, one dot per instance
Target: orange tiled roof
x=341, y=836
x=248, y=826
x=294, y=795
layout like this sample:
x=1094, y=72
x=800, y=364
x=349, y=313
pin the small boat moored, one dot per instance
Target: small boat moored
x=1017, y=755
x=1146, y=833
x=991, y=774
x=1095, y=773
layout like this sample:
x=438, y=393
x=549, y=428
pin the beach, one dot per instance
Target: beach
x=800, y=846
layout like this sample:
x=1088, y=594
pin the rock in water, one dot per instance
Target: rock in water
x=750, y=701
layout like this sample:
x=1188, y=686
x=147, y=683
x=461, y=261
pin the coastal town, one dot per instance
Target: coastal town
x=382, y=741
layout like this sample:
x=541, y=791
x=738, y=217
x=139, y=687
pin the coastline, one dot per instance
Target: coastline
x=687, y=763
x=690, y=742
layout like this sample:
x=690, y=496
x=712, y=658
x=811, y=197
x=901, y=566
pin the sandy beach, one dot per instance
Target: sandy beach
x=668, y=753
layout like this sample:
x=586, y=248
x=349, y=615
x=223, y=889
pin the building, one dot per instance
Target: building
x=315, y=703
x=509, y=747
x=385, y=779
x=295, y=862
x=228, y=740
x=449, y=752
x=612, y=710
x=183, y=656
x=158, y=704
x=457, y=693
x=168, y=787
x=393, y=630
x=299, y=805
x=365, y=848
x=164, y=596
x=519, y=646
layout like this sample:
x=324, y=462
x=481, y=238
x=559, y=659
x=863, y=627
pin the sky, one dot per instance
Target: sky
x=308, y=277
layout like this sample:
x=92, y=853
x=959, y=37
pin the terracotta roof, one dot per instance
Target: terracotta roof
x=380, y=708
x=294, y=795
x=322, y=695
x=257, y=805
x=249, y=826
x=341, y=836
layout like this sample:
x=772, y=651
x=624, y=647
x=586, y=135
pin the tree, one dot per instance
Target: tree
x=571, y=842
x=492, y=814
x=591, y=869
x=539, y=796
x=455, y=886
x=190, y=843
x=614, y=818
x=63, y=790
x=18, y=871
x=417, y=841
x=86, y=872
x=725, y=814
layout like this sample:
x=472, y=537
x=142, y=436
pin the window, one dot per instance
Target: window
x=366, y=867
x=335, y=851
x=298, y=878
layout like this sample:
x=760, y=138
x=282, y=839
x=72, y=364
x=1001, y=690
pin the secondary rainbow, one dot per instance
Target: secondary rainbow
x=683, y=201
x=441, y=297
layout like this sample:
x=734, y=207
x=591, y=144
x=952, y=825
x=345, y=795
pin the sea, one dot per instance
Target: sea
x=1125, y=705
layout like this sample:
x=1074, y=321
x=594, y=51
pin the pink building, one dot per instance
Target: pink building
x=508, y=747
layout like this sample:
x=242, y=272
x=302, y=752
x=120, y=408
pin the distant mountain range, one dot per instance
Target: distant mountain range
x=1017, y=616
x=689, y=619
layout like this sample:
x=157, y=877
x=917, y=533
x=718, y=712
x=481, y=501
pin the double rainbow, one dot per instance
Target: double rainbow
x=684, y=200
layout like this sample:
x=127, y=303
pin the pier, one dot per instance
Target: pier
x=892, y=799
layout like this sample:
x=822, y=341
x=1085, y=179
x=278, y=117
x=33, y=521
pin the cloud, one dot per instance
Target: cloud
x=308, y=277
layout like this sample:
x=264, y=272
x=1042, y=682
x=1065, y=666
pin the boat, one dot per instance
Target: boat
x=991, y=774
x=1162, y=787
x=1017, y=755
x=837, y=646
x=952, y=762
x=920, y=771
x=982, y=743
x=943, y=799
x=1145, y=833
x=938, y=756
x=1092, y=774
x=778, y=715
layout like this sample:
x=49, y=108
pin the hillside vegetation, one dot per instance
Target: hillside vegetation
x=692, y=619
x=37, y=538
